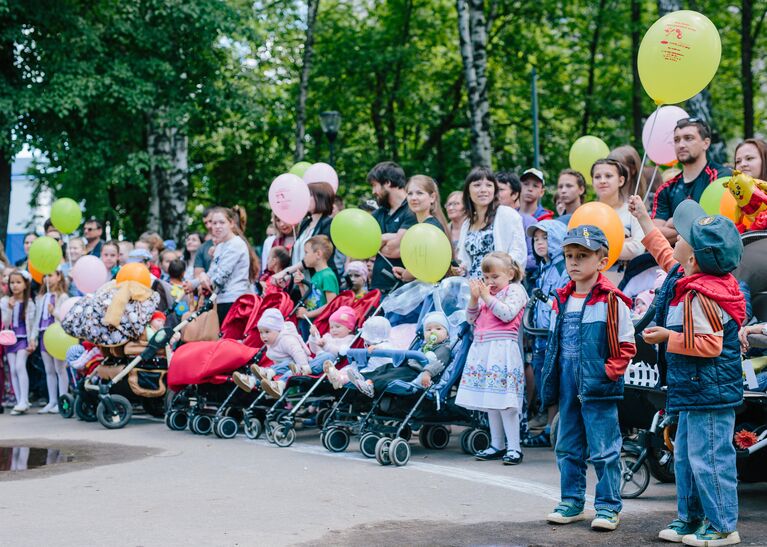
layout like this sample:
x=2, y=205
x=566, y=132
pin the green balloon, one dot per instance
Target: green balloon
x=711, y=199
x=300, y=168
x=57, y=342
x=426, y=252
x=45, y=255
x=66, y=215
x=356, y=233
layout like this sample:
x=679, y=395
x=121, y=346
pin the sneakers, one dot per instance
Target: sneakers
x=358, y=380
x=606, y=519
x=512, y=457
x=327, y=365
x=565, y=513
x=18, y=410
x=273, y=388
x=334, y=376
x=541, y=440
x=678, y=528
x=490, y=454
x=707, y=536
x=245, y=382
x=262, y=373
x=300, y=370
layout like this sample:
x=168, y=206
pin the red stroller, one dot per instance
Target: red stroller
x=200, y=372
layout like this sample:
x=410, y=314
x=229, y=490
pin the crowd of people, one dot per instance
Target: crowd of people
x=508, y=245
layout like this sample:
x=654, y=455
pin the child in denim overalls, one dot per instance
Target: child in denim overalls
x=591, y=342
x=700, y=308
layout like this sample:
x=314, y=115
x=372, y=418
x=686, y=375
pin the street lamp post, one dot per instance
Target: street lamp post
x=330, y=122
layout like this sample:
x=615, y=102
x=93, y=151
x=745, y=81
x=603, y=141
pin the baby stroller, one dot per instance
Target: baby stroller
x=144, y=366
x=279, y=421
x=751, y=417
x=77, y=402
x=206, y=400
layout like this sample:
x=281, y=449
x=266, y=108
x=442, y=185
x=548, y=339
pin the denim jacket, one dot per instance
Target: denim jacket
x=600, y=351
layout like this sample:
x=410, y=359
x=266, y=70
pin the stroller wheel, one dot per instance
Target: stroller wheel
x=253, y=427
x=85, y=410
x=368, y=444
x=662, y=465
x=382, y=451
x=226, y=428
x=633, y=483
x=117, y=418
x=284, y=435
x=438, y=437
x=337, y=439
x=201, y=424
x=322, y=415
x=66, y=405
x=176, y=420
x=464, y=440
x=423, y=436
x=477, y=441
x=399, y=452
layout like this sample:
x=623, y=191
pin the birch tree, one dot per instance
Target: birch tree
x=303, y=86
x=473, y=32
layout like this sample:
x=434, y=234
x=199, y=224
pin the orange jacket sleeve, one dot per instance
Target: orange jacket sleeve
x=660, y=249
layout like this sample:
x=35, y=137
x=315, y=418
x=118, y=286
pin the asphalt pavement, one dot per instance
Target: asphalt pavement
x=147, y=486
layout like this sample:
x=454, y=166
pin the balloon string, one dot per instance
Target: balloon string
x=69, y=255
x=649, y=186
x=387, y=261
x=644, y=157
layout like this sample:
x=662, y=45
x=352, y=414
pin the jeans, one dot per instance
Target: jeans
x=704, y=464
x=587, y=430
x=319, y=360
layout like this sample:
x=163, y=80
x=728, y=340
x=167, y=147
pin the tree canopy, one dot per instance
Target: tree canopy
x=85, y=82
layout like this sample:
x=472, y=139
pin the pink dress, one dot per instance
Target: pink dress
x=493, y=377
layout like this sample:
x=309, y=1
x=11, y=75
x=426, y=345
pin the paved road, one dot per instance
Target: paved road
x=146, y=486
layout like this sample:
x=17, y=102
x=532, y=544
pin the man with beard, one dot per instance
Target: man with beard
x=692, y=137
x=387, y=181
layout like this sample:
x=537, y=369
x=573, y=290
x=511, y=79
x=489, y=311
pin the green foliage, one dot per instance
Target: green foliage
x=89, y=73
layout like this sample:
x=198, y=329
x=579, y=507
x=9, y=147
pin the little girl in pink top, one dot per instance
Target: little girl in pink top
x=493, y=378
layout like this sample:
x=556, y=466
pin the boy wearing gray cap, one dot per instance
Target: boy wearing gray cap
x=699, y=310
x=591, y=341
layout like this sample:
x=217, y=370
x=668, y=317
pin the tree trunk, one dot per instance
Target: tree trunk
x=700, y=105
x=593, y=47
x=636, y=84
x=168, y=177
x=472, y=32
x=303, y=87
x=391, y=109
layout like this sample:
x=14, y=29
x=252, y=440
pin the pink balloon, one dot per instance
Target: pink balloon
x=322, y=172
x=68, y=304
x=658, y=139
x=289, y=198
x=89, y=273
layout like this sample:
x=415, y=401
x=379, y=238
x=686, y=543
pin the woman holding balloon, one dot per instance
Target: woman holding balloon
x=318, y=221
x=283, y=238
x=489, y=226
x=424, y=201
x=611, y=181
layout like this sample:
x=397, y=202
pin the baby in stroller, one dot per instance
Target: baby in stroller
x=339, y=337
x=285, y=348
x=436, y=347
x=376, y=334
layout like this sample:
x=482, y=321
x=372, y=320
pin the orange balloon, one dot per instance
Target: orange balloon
x=36, y=275
x=606, y=219
x=729, y=207
x=135, y=272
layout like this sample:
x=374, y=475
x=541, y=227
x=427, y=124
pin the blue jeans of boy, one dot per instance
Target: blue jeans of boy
x=704, y=465
x=587, y=430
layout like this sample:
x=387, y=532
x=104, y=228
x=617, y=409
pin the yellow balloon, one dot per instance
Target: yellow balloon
x=679, y=56
x=426, y=252
x=57, y=342
x=584, y=152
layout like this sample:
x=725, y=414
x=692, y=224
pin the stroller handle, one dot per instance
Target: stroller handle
x=398, y=354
